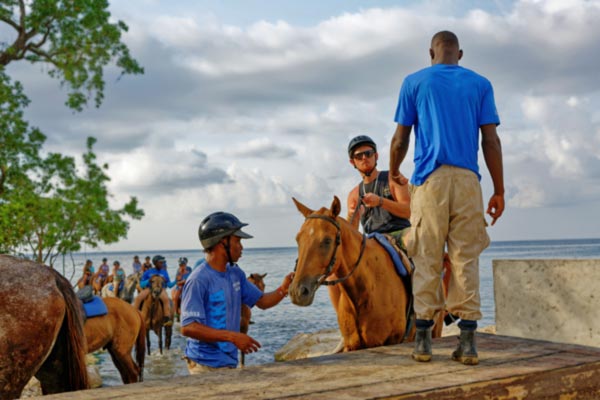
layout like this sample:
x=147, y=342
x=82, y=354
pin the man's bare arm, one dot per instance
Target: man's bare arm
x=492, y=153
x=398, y=150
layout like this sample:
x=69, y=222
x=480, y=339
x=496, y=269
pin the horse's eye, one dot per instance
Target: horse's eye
x=326, y=242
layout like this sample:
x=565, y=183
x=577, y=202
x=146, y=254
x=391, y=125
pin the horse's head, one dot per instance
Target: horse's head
x=258, y=280
x=131, y=283
x=156, y=285
x=318, y=242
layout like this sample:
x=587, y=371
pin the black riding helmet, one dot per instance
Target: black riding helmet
x=219, y=225
x=359, y=141
x=157, y=258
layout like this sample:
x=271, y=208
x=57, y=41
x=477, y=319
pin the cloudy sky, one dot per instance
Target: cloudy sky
x=245, y=104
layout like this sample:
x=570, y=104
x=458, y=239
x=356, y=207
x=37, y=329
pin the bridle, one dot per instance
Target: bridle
x=338, y=241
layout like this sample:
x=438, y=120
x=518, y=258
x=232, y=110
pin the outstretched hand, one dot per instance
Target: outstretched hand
x=287, y=281
x=245, y=343
x=495, y=207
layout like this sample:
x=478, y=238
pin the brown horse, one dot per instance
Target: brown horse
x=258, y=281
x=41, y=330
x=129, y=287
x=118, y=332
x=153, y=313
x=373, y=302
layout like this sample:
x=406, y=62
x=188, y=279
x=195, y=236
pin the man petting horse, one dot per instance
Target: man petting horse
x=213, y=296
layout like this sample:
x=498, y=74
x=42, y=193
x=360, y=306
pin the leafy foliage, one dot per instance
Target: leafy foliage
x=74, y=37
x=51, y=204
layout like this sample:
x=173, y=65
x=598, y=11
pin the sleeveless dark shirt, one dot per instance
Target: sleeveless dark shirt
x=377, y=219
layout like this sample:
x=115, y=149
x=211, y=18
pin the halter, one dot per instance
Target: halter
x=338, y=241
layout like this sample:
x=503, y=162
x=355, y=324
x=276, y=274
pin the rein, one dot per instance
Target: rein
x=338, y=241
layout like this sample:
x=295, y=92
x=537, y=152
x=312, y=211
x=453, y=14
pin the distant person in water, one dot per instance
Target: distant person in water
x=86, y=277
x=146, y=265
x=182, y=274
x=101, y=276
x=136, y=265
x=159, y=269
x=213, y=296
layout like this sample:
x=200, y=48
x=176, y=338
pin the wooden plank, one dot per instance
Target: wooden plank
x=510, y=368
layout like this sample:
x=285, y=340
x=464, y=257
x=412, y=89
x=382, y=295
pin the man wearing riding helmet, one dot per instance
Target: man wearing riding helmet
x=213, y=295
x=383, y=205
x=159, y=269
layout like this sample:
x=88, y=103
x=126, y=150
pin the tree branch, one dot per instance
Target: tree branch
x=10, y=22
x=2, y=178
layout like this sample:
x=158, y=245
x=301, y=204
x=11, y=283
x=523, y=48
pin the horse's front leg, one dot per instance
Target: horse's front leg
x=148, y=339
x=348, y=324
x=160, y=343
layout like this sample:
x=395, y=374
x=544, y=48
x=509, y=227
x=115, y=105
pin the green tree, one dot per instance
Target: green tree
x=48, y=205
x=75, y=38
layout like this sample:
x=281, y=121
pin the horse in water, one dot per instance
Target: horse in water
x=153, y=313
x=258, y=281
x=128, y=288
x=119, y=332
x=373, y=307
x=41, y=330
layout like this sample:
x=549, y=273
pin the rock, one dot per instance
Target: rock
x=306, y=345
x=94, y=376
x=32, y=389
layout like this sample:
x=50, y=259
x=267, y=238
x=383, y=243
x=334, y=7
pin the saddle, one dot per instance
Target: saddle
x=402, y=263
x=93, y=306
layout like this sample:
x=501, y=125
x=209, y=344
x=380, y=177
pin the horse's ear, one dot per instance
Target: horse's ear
x=336, y=206
x=263, y=275
x=302, y=208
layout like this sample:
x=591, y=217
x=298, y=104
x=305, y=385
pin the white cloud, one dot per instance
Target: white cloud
x=244, y=117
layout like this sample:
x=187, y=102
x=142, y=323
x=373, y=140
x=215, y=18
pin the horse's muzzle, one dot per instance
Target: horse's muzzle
x=303, y=293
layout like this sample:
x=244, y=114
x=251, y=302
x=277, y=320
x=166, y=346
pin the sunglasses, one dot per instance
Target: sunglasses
x=363, y=154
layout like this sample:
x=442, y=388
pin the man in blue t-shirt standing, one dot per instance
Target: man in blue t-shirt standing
x=448, y=106
x=213, y=295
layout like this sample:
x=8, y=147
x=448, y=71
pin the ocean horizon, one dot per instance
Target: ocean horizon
x=143, y=253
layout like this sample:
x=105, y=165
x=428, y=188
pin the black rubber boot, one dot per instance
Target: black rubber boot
x=466, y=352
x=422, y=351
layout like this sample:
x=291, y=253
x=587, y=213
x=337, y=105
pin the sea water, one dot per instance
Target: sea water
x=274, y=327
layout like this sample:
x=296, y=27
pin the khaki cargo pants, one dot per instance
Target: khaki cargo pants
x=447, y=210
x=197, y=369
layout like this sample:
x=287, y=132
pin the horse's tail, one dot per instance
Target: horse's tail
x=140, y=347
x=72, y=336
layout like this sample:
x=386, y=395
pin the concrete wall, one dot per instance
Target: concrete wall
x=555, y=300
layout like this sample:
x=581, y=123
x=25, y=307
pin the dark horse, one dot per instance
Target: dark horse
x=373, y=306
x=118, y=332
x=153, y=313
x=41, y=330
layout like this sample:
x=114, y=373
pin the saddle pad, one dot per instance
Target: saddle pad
x=400, y=268
x=95, y=308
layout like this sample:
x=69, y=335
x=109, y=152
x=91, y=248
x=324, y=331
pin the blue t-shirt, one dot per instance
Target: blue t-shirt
x=446, y=104
x=153, y=271
x=214, y=299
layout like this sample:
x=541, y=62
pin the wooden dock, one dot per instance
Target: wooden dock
x=510, y=368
